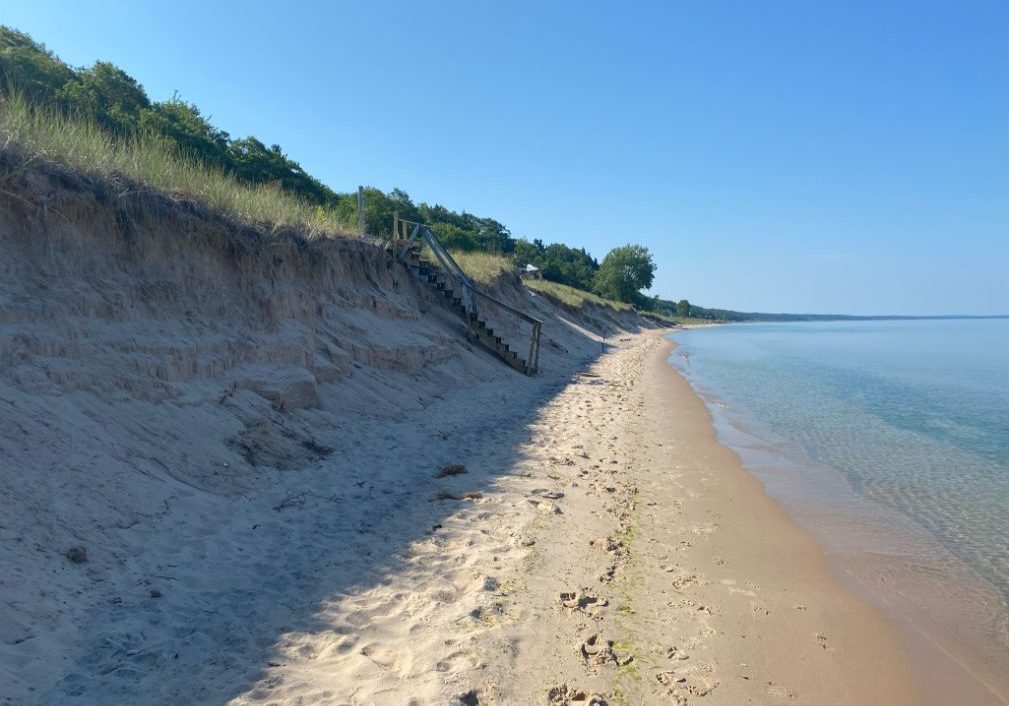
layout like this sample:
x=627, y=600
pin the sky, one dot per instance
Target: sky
x=778, y=156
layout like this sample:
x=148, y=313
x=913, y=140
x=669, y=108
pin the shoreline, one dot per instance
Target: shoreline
x=926, y=594
x=791, y=564
x=667, y=574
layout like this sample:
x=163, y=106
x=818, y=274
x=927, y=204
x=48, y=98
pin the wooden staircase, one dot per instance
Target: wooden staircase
x=460, y=301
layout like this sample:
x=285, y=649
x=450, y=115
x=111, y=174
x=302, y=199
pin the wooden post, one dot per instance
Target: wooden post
x=395, y=228
x=360, y=210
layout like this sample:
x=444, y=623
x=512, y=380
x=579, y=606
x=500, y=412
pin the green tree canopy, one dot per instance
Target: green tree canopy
x=29, y=68
x=108, y=95
x=558, y=262
x=683, y=308
x=254, y=162
x=624, y=272
x=184, y=124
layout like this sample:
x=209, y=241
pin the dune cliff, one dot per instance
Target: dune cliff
x=170, y=377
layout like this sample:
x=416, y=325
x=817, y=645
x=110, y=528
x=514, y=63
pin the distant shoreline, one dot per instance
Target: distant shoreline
x=803, y=318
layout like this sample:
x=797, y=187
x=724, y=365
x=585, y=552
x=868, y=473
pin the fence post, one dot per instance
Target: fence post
x=360, y=210
x=395, y=229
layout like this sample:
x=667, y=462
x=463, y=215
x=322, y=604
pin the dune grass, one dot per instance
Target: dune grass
x=483, y=267
x=680, y=320
x=573, y=296
x=47, y=135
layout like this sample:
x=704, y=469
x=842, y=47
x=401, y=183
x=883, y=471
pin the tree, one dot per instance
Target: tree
x=494, y=237
x=624, y=272
x=454, y=237
x=570, y=266
x=184, y=124
x=252, y=161
x=29, y=68
x=683, y=308
x=108, y=95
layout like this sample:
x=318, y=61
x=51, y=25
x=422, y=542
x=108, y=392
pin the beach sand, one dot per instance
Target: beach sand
x=575, y=538
x=621, y=555
x=668, y=576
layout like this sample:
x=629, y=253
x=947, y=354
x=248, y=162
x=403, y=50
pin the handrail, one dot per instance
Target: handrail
x=449, y=263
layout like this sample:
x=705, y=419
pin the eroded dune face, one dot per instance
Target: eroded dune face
x=172, y=385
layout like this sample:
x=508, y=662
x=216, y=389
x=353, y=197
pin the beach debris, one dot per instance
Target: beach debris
x=468, y=495
x=77, y=555
x=451, y=469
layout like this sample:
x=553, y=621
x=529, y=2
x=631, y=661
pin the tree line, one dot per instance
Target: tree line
x=116, y=101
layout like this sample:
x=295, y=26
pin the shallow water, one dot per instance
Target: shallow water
x=891, y=440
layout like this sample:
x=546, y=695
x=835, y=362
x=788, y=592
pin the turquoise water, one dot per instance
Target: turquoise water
x=896, y=431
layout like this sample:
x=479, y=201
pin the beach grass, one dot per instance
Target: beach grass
x=573, y=296
x=483, y=267
x=42, y=134
x=680, y=320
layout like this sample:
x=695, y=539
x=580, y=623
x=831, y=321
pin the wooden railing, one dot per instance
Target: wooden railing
x=471, y=294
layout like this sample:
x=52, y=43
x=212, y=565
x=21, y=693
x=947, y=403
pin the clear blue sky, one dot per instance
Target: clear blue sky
x=848, y=156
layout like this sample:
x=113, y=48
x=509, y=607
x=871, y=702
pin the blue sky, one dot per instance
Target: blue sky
x=775, y=156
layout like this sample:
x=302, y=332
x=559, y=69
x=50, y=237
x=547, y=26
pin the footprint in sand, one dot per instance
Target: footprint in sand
x=677, y=653
x=779, y=692
x=681, y=582
x=545, y=506
x=385, y=658
x=585, y=601
x=684, y=682
x=564, y=695
x=706, y=528
x=453, y=663
x=610, y=545
x=609, y=574
x=597, y=652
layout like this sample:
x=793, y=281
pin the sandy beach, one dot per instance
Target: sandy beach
x=576, y=538
x=665, y=574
